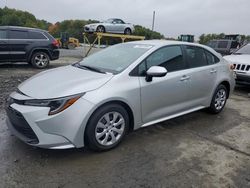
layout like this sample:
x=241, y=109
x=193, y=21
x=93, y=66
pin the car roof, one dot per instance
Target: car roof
x=21, y=28
x=159, y=43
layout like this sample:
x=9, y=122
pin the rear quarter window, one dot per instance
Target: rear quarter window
x=36, y=35
x=211, y=59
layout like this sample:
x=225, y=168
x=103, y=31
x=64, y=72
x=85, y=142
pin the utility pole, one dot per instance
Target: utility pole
x=153, y=24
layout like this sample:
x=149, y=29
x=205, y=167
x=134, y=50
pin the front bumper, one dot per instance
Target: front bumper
x=61, y=131
x=55, y=54
x=242, y=77
x=89, y=29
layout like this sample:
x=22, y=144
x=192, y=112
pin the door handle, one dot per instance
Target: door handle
x=213, y=71
x=185, y=77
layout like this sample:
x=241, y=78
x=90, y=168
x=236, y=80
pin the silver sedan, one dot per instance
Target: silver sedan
x=112, y=25
x=98, y=100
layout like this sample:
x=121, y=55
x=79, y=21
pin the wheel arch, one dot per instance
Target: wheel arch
x=121, y=103
x=39, y=50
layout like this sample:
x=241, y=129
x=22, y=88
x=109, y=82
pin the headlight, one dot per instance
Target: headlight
x=55, y=105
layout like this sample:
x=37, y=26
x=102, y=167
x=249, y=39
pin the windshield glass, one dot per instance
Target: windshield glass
x=116, y=58
x=109, y=21
x=244, y=50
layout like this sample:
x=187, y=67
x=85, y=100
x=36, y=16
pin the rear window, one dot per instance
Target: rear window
x=222, y=44
x=36, y=35
x=3, y=34
x=14, y=34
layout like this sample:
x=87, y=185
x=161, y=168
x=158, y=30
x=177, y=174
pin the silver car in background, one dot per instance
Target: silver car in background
x=113, y=25
x=98, y=100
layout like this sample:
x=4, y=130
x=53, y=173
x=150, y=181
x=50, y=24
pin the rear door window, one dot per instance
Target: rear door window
x=211, y=59
x=3, y=34
x=196, y=56
x=36, y=35
x=15, y=34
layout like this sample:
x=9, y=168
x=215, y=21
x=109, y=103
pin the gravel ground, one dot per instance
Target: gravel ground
x=195, y=150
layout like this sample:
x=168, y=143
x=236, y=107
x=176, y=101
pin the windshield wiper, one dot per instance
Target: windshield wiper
x=89, y=68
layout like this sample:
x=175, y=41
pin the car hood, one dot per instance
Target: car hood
x=242, y=59
x=63, y=81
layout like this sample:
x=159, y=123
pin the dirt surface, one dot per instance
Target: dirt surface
x=195, y=150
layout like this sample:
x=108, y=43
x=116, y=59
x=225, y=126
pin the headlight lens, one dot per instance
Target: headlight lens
x=55, y=105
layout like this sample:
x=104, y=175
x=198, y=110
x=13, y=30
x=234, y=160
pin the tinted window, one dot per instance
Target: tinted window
x=18, y=34
x=222, y=44
x=195, y=56
x=36, y=35
x=169, y=57
x=3, y=34
x=211, y=59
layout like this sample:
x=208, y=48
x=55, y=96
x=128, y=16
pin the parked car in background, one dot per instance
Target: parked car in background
x=22, y=44
x=224, y=46
x=113, y=25
x=241, y=61
x=98, y=100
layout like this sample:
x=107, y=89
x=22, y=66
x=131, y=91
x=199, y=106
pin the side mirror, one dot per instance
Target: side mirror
x=155, y=71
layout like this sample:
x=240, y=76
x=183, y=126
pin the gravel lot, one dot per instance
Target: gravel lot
x=196, y=150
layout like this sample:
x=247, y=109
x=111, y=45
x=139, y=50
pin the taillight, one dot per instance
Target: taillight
x=55, y=43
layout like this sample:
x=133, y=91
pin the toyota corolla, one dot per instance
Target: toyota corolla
x=100, y=99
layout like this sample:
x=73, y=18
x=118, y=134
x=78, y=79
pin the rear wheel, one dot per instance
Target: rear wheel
x=40, y=60
x=219, y=99
x=107, y=127
x=100, y=29
x=127, y=31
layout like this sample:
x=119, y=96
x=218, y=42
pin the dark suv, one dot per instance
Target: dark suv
x=21, y=44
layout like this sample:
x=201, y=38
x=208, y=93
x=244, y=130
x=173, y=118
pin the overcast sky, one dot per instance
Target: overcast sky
x=173, y=17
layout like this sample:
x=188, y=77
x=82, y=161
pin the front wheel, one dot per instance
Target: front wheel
x=219, y=99
x=107, y=127
x=100, y=29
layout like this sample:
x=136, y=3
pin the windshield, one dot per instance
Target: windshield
x=244, y=50
x=108, y=21
x=116, y=58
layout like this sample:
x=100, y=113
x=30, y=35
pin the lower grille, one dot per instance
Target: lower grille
x=21, y=125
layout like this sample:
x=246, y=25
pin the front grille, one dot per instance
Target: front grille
x=241, y=67
x=86, y=28
x=21, y=125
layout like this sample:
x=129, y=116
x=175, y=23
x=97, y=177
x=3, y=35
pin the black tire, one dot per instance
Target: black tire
x=100, y=29
x=127, y=31
x=217, y=105
x=91, y=130
x=40, y=60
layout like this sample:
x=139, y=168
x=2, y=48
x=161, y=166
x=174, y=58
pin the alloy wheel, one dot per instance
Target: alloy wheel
x=110, y=128
x=41, y=60
x=220, y=99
